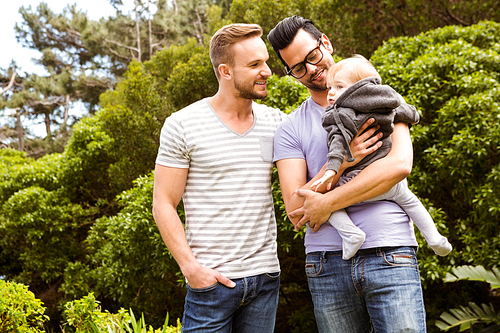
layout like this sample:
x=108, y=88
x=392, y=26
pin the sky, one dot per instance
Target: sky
x=9, y=16
x=12, y=50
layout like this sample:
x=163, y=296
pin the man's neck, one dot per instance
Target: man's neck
x=234, y=112
x=320, y=97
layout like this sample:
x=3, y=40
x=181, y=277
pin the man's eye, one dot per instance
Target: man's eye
x=312, y=55
x=299, y=68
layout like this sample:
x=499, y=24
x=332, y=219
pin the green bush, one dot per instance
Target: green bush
x=452, y=76
x=128, y=261
x=85, y=316
x=20, y=311
x=285, y=93
x=465, y=317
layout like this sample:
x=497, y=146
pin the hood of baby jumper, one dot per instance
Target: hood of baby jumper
x=368, y=95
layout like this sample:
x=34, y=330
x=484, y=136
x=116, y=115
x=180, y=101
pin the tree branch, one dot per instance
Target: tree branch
x=119, y=55
x=456, y=18
x=11, y=83
x=159, y=43
x=122, y=45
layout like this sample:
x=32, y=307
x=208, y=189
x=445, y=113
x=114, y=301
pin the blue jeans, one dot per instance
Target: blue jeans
x=249, y=307
x=378, y=290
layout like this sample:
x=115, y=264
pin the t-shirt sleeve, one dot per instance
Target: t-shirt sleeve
x=173, y=151
x=286, y=143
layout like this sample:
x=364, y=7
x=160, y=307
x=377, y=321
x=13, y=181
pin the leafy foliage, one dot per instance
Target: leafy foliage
x=20, y=311
x=85, y=315
x=285, y=93
x=452, y=76
x=131, y=263
x=465, y=317
x=362, y=26
x=80, y=221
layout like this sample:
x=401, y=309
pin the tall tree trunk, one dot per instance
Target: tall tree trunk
x=66, y=111
x=20, y=134
x=47, y=124
x=150, y=33
x=138, y=31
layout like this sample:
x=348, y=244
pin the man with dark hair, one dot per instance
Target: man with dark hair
x=217, y=155
x=378, y=288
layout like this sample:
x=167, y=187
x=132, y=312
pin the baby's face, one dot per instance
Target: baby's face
x=338, y=85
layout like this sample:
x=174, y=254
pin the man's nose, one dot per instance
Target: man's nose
x=311, y=68
x=266, y=71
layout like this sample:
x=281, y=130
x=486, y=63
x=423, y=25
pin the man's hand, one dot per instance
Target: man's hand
x=292, y=174
x=326, y=179
x=314, y=210
x=204, y=277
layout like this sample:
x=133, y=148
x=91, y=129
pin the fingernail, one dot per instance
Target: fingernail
x=233, y=284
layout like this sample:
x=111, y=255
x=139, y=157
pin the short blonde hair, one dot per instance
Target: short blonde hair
x=222, y=41
x=358, y=66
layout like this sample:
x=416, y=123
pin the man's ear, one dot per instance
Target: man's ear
x=326, y=43
x=225, y=72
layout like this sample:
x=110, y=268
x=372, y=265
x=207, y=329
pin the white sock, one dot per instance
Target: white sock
x=352, y=236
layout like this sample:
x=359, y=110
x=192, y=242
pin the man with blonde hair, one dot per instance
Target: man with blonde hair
x=216, y=154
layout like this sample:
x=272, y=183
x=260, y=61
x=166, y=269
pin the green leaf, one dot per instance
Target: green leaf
x=475, y=273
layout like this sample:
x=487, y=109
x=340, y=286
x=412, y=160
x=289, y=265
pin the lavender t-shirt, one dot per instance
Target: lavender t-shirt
x=301, y=135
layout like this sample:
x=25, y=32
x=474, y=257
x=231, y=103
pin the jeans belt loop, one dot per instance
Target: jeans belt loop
x=323, y=256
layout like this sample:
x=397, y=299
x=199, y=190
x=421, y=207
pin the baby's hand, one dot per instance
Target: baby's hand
x=326, y=179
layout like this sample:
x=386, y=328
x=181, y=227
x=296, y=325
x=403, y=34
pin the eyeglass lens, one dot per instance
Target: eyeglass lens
x=313, y=57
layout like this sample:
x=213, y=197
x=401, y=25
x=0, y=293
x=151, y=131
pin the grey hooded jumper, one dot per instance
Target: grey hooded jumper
x=365, y=99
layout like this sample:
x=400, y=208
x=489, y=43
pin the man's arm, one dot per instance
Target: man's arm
x=374, y=180
x=293, y=172
x=169, y=184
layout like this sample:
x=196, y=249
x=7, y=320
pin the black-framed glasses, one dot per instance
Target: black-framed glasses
x=299, y=70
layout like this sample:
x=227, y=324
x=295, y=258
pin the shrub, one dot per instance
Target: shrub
x=20, y=311
x=452, y=76
x=85, y=316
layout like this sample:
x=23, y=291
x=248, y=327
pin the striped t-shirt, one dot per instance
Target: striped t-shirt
x=230, y=223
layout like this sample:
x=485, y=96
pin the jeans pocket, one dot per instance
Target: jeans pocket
x=400, y=257
x=313, y=269
x=204, y=289
x=273, y=276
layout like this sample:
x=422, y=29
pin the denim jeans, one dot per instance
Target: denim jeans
x=249, y=307
x=378, y=290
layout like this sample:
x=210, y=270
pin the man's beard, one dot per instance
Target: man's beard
x=314, y=85
x=246, y=90
x=317, y=86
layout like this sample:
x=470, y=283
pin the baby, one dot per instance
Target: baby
x=356, y=95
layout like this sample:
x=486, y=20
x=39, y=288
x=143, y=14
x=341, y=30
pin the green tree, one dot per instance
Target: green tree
x=57, y=202
x=452, y=76
x=129, y=261
x=362, y=26
x=59, y=37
